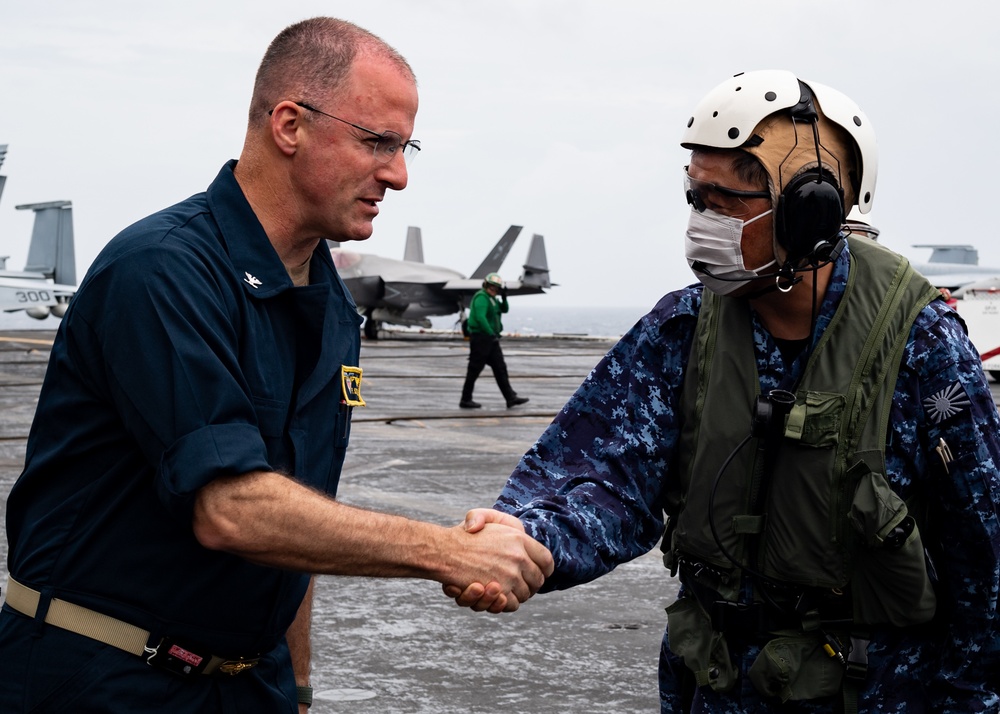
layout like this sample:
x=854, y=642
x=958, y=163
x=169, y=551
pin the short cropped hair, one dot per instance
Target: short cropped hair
x=313, y=58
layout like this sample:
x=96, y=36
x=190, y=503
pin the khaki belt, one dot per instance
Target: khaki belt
x=106, y=629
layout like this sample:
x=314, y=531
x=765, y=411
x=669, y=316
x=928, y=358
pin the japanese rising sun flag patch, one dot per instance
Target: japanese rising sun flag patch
x=946, y=402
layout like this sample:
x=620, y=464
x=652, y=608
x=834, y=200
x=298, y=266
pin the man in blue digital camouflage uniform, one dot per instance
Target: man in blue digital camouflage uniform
x=816, y=427
x=190, y=432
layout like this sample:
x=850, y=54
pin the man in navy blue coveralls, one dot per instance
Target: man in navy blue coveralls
x=595, y=486
x=195, y=414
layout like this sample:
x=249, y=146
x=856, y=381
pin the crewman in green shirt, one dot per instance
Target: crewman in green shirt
x=484, y=327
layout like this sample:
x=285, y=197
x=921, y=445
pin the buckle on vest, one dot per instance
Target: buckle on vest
x=733, y=618
x=857, y=658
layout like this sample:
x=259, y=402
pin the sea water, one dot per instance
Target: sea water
x=554, y=320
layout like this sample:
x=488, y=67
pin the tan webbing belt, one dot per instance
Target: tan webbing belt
x=101, y=627
x=80, y=620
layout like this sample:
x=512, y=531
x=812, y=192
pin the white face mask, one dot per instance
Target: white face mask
x=714, y=242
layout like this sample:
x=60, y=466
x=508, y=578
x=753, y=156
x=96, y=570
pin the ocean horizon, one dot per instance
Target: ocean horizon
x=560, y=320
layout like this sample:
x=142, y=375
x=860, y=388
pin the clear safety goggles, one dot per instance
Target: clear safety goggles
x=727, y=201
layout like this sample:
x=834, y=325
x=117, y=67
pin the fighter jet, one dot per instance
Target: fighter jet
x=48, y=281
x=409, y=291
x=956, y=268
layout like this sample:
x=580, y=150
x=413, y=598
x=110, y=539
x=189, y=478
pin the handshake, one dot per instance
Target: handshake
x=499, y=566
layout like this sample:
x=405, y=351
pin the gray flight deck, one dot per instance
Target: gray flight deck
x=400, y=645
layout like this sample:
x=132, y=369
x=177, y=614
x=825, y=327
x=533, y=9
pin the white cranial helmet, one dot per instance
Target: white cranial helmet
x=732, y=116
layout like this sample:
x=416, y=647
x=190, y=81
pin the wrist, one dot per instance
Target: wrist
x=304, y=695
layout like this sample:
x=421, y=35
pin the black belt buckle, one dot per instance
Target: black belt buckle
x=174, y=657
x=186, y=659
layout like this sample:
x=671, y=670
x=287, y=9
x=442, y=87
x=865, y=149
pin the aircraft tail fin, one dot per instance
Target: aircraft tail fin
x=951, y=253
x=499, y=253
x=536, y=269
x=3, y=155
x=3, y=179
x=414, y=245
x=51, y=251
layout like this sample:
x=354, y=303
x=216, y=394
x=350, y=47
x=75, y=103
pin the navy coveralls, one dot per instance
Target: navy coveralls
x=186, y=355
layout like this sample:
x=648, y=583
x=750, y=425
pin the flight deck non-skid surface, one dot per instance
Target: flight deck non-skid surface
x=400, y=645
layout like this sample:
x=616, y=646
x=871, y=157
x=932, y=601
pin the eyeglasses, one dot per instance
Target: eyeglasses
x=729, y=201
x=386, y=144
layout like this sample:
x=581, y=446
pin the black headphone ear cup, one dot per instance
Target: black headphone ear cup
x=810, y=213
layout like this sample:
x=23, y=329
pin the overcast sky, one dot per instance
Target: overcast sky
x=559, y=115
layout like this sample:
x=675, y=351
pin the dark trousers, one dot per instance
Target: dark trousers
x=47, y=670
x=485, y=350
